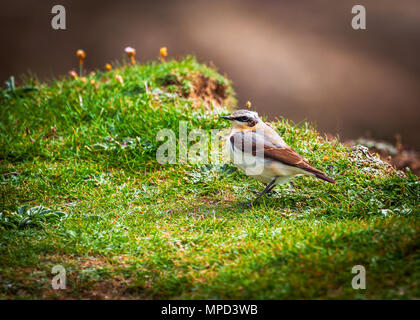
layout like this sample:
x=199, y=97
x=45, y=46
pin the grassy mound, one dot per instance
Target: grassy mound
x=81, y=188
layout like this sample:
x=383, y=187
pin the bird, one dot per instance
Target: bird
x=256, y=148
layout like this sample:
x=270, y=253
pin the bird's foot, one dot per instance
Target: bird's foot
x=271, y=193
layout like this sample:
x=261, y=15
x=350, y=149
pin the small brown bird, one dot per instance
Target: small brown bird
x=258, y=149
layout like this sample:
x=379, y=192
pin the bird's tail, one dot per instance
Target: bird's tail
x=322, y=176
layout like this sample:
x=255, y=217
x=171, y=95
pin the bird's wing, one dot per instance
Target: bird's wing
x=254, y=143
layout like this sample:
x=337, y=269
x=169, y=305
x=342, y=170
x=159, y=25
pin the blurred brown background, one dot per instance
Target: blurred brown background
x=298, y=59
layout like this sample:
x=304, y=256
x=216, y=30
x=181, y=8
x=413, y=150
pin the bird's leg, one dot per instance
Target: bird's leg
x=271, y=189
x=267, y=189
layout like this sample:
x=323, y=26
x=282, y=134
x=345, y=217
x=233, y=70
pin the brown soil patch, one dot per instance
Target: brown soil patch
x=207, y=90
x=203, y=90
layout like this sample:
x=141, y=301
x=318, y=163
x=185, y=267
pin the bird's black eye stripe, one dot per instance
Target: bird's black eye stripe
x=242, y=119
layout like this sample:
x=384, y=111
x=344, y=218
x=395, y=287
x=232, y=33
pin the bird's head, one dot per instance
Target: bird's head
x=243, y=119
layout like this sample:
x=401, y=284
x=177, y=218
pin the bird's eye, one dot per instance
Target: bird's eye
x=242, y=119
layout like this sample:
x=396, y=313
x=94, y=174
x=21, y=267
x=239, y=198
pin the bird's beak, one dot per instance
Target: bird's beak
x=226, y=117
